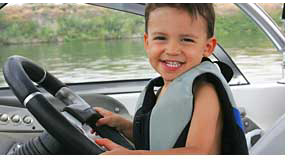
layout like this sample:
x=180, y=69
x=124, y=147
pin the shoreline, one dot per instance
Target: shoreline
x=52, y=23
x=62, y=41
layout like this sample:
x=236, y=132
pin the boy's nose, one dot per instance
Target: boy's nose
x=173, y=48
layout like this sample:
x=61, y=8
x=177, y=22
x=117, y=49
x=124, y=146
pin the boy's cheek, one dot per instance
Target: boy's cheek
x=157, y=47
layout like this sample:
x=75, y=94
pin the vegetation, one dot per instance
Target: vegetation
x=68, y=22
x=237, y=30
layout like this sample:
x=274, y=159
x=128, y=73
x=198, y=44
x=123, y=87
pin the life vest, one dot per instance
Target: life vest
x=164, y=124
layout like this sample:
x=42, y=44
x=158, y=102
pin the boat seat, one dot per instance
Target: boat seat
x=272, y=141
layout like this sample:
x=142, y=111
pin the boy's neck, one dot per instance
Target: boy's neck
x=164, y=87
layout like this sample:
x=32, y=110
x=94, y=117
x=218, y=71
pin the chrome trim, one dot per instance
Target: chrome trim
x=268, y=26
x=29, y=97
x=43, y=78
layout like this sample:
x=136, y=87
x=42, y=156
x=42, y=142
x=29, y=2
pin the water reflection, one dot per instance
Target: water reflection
x=258, y=64
x=126, y=59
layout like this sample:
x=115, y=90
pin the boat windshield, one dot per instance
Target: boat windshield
x=81, y=43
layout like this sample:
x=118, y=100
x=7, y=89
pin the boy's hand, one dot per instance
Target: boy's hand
x=113, y=148
x=114, y=120
x=109, y=118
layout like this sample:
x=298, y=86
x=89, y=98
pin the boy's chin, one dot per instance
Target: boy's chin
x=169, y=78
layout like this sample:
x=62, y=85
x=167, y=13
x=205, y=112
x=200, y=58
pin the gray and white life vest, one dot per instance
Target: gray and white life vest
x=164, y=124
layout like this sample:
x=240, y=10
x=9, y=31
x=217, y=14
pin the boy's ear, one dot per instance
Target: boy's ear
x=146, y=43
x=210, y=46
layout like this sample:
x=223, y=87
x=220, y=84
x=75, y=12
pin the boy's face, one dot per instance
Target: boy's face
x=175, y=42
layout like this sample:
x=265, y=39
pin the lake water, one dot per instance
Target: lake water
x=126, y=59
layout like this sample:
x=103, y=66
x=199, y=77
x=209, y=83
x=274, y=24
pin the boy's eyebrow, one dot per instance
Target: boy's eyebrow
x=181, y=35
x=159, y=33
x=189, y=35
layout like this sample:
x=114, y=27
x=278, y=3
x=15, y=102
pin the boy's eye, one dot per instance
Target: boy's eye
x=187, y=40
x=159, y=38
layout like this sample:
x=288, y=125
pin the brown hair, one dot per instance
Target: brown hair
x=205, y=10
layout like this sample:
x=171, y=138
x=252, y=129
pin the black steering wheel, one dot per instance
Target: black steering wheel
x=66, y=126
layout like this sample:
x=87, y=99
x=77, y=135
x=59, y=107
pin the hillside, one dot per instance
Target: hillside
x=31, y=23
x=35, y=23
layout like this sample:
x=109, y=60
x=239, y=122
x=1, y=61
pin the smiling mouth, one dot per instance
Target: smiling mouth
x=172, y=65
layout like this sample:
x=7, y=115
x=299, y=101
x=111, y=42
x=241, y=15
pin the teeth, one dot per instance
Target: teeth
x=173, y=64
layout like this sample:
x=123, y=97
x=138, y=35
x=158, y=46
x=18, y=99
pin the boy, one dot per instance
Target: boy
x=187, y=115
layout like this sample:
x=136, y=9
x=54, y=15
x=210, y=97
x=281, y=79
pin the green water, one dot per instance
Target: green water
x=85, y=61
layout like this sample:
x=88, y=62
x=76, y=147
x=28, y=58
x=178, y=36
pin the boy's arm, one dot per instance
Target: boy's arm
x=206, y=125
x=204, y=135
x=127, y=129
